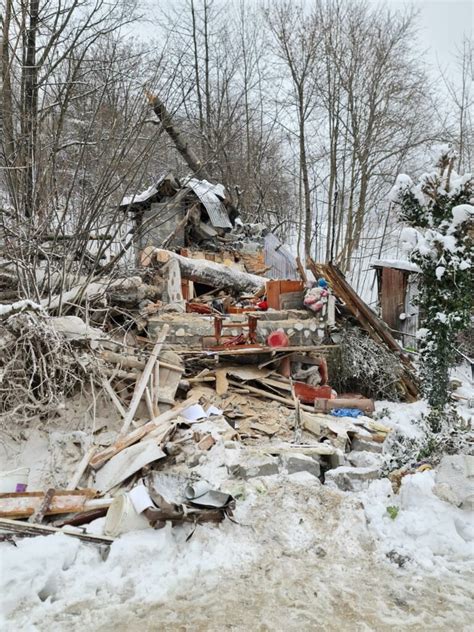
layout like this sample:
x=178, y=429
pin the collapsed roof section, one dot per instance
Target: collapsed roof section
x=211, y=196
x=196, y=214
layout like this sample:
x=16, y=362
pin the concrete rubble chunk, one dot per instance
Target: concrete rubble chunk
x=364, y=459
x=351, y=479
x=363, y=445
x=455, y=481
x=254, y=466
x=301, y=463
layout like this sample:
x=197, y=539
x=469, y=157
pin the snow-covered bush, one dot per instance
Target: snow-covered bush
x=439, y=214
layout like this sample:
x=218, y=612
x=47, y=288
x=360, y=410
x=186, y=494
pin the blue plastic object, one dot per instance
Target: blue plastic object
x=346, y=412
x=322, y=283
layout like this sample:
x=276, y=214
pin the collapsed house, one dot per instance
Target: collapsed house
x=219, y=350
x=202, y=349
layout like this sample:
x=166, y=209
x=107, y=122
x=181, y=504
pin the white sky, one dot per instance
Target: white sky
x=443, y=23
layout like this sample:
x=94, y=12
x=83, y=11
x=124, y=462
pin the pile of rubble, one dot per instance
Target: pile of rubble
x=216, y=360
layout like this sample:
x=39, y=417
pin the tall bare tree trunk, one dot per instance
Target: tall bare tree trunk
x=30, y=110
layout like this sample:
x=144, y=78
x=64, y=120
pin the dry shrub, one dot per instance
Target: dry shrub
x=38, y=367
x=363, y=366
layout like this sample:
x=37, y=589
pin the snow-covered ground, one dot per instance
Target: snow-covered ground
x=299, y=556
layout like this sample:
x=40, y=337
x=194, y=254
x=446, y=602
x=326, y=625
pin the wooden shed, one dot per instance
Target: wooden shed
x=397, y=283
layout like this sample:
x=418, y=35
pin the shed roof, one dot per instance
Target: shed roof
x=396, y=264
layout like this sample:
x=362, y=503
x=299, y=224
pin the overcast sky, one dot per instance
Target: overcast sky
x=443, y=23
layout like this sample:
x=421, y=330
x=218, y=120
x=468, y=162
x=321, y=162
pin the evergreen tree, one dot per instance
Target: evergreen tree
x=439, y=212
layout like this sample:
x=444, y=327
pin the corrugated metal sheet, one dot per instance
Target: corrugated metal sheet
x=282, y=262
x=208, y=194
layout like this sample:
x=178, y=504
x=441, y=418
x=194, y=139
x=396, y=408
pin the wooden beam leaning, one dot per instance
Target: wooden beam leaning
x=144, y=379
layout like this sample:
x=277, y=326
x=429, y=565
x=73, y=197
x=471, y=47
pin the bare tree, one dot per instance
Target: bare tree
x=297, y=42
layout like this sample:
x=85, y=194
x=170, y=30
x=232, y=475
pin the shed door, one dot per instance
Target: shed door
x=393, y=296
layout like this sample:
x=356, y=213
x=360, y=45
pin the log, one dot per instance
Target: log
x=212, y=273
x=123, y=442
x=132, y=362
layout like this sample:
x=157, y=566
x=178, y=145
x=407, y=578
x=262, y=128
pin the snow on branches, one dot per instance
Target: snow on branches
x=439, y=213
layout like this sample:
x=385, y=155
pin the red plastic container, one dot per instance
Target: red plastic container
x=278, y=339
x=307, y=393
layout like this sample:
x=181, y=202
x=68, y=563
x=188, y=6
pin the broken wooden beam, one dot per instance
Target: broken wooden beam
x=23, y=504
x=132, y=362
x=368, y=320
x=142, y=383
x=136, y=435
x=26, y=529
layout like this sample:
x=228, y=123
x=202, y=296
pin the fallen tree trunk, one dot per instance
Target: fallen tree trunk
x=216, y=275
x=181, y=143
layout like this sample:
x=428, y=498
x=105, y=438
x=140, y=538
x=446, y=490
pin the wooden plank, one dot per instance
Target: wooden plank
x=255, y=350
x=323, y=449
x=277, y=398
x=124, y=441
x=392, y=299
x=273, y=294
x=81, y=468
x=25, y=529
x=27, y=503
x=149, y=403
x=39, y=514
x=114, y=397
x=144, y=379
x=222, y=383
x=156, y=388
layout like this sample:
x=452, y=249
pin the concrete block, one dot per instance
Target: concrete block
x=364, y=459
x=254, y=466
x=351, y=479
x=301, y=463
x=362, y=445
x=455, y=480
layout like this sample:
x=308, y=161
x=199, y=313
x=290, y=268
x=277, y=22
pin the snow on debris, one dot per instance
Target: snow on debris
x=50, y=573
x=398, y=264
x=18, y=307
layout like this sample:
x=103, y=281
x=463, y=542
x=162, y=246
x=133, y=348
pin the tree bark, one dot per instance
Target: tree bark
x=181, y=144
x=210, y=273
